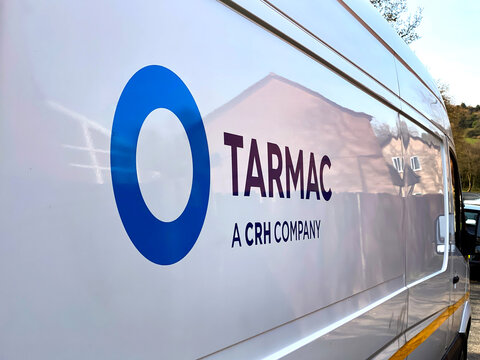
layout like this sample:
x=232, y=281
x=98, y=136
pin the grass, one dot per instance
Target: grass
x=471, y=140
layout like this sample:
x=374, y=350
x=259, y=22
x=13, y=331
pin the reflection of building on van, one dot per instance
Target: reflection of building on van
x=415, y=163
x=420, y=180
x=283, y=188
x=347, y=136
x=398, y=163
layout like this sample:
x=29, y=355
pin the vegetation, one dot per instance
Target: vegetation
x=465, y=121
x=397, y=14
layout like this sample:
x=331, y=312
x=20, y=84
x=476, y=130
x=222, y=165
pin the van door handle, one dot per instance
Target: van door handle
x=455, y=279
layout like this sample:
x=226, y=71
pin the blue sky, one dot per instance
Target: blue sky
x=450, y=45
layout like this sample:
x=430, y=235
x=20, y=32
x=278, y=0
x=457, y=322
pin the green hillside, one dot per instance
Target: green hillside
x=471, y=140
x=465, y=122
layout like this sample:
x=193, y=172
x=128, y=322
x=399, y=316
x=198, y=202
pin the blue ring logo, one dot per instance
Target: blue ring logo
x=154, y=87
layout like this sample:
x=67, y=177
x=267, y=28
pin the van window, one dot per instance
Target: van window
x=457, y=198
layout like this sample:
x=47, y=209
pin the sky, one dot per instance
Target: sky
x=450, y=45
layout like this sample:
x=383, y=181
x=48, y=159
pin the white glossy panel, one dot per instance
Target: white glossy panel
x=421, y=98
x=164, y=165
x=364, y=336
x=106, y=290
x=424, y=198
x=425, y=215
x=307, y=334
x=368, y=14
x=439, y=128
x=434, y=347
x=459, y=266
x=351, y=39
x=74, y=285
x=466, y=311
x=288, y=27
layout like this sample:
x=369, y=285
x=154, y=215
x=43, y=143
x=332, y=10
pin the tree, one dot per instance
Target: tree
x=468, y=154
x=444, y=89
x=397, y=15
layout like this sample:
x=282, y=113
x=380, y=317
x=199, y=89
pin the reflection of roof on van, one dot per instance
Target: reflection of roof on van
x=264, y=82
x=389, y=61
x=346, y=136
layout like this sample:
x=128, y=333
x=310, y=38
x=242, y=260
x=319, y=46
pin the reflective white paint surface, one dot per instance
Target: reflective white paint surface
x=73, y=284
x=165, y=184
x=351, y=41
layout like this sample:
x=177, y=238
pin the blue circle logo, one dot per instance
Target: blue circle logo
x=154, y=87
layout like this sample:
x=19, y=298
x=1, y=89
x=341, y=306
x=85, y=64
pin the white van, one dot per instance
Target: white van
x=233, y=179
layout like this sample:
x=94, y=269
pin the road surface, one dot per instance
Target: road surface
x=474, y=339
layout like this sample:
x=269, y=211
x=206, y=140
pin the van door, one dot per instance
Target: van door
x=459, y=268
x=428, y=282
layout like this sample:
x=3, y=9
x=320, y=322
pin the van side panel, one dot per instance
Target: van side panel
x=426, y=102
x=458, y=267
x=427, y=278
x=304, y=245
x=83, y=288
x=350, y=40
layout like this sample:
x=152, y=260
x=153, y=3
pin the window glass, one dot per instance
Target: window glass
x=457, y=199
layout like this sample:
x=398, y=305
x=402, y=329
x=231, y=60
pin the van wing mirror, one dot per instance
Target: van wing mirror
x=466, y=243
